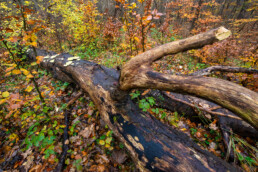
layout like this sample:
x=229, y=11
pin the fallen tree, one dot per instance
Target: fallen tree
x=153, y=145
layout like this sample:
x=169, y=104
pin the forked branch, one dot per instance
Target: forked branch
x=137, y=73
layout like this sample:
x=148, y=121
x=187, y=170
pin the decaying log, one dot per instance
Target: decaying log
x=137, y=73
x=152, y=145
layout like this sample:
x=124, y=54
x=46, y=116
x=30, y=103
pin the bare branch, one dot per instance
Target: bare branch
x=231, y=69
x=204, y=109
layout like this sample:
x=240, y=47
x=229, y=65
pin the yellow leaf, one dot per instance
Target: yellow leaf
x=34, y=44
x=13, y=136
x=29, y=89
x=137, y=39
x=102, y=142
x=29, y=76
x=24, y=71
x=2, y=101
x=16, y=72
x=107, y=145
x=5, y=94
x=34, y=72
x=33, y=64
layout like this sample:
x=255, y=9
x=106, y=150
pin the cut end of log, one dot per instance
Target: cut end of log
x=222, y=33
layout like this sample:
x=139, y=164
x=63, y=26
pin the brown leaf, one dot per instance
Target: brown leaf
x=101, y=168
x=199, y=134
x=119, y=156
x=51, y=159
x=28, y=163
x=102, y=159
x=15, y=106
x=87, y=131
x=37, y=168
x=78, y=157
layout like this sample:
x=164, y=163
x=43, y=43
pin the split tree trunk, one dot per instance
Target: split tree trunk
x=153, y=145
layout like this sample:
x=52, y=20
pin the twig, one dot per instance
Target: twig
x=65, y=146
x=203, y=109
x=214, y=108
x=74, y=99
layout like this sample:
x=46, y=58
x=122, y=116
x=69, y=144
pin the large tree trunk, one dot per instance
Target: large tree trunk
x=153, y=145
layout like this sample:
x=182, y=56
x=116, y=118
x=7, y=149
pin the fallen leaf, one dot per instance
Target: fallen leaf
x=66, y=142
x=28, y=163
x=29, y=89
x=5, y=94
x=119, y=156
x=87, y=131
x=36, y=168
x=28, y=152
x=102, y=159
x=101, y=168
x=29, y=76
x=2, y=101
x=102, y=142
x=39, y=59
x=78, y=157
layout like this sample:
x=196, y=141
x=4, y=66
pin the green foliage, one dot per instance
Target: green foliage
x=135, y=94
x=43, y=139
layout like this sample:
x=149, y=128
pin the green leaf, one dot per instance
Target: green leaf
x=240, y=157
x=55, y=123
x=108, y=140
x=151, y=100
x=102, y=137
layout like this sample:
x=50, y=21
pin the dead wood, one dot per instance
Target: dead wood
x=210, y=70
x=182, y=106
x=137, y=73
x=152, y=145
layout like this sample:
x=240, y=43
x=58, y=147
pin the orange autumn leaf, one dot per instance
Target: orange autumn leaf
x=13, y=39
x=34, y=44
x=145, y=92
x=9, y=69
x=30, y=21
x=39, y=59
x=2, y=101
x=7, y=74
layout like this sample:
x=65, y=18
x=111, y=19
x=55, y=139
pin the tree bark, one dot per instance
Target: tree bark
x=152, y=145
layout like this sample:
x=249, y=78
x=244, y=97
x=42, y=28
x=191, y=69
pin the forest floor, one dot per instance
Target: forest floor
x=31, y=131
